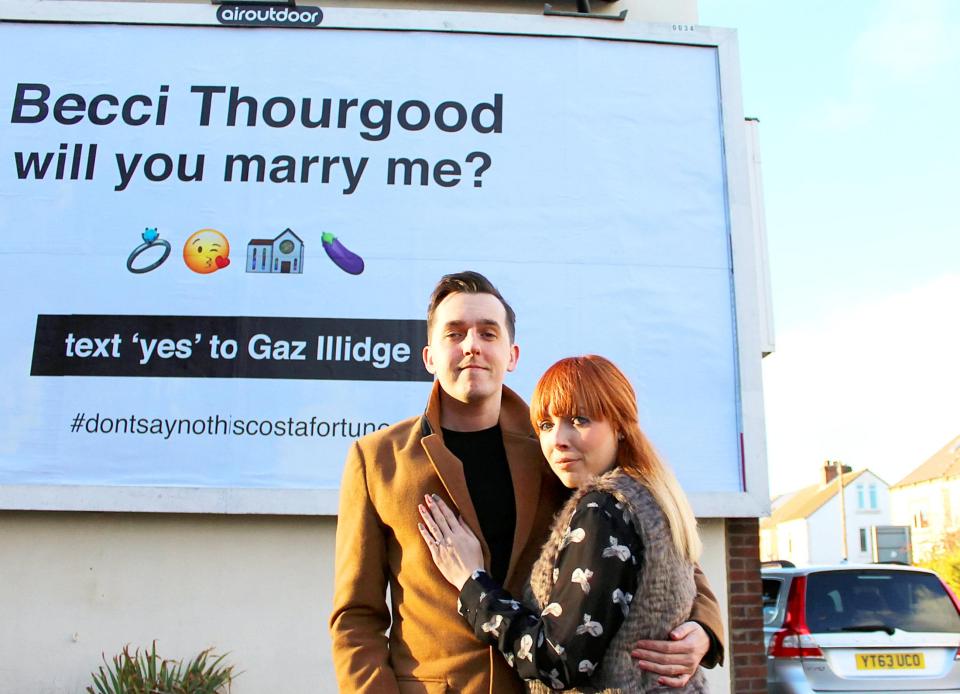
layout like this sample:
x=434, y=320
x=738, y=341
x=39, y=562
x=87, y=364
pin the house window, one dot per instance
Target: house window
x=920, y=520
x=295, y=264
x=253, y=266
x=770, y=597
x=863, y=539
x=873, y=495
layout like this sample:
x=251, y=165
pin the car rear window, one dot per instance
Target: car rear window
x=858, y=600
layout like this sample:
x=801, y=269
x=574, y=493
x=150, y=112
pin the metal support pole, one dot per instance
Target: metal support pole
x=843, y=511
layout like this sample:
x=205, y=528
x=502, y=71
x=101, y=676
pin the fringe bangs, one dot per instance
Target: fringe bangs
x=562, y=391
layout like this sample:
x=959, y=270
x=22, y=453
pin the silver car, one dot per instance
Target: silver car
x=850, y=628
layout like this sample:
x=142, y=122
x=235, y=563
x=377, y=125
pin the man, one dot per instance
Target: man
x=474, y=448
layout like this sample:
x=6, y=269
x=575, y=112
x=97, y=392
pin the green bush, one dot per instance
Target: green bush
x=945, y=560
x=148, y=673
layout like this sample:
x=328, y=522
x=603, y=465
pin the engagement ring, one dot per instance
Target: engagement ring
x=150, y=239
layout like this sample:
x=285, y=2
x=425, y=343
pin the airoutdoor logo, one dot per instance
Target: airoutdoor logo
x=264, y=16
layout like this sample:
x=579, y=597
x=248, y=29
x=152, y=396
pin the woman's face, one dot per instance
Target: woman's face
x=577, y=448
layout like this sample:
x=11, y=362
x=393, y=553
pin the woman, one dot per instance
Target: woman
x=618, y=566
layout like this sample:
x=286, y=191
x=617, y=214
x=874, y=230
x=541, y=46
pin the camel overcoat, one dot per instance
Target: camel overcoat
x=427, y=647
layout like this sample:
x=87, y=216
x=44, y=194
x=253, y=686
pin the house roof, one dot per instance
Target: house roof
x=943, y=463
x=292, y=233
x=803, y=503
x=269, y=242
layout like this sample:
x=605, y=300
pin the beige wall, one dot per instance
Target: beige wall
x=73, y=585
x=714, y=564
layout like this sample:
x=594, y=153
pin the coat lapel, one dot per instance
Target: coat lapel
x=526, y=475
x=450, y=470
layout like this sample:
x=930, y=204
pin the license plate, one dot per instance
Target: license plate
x=890, y=661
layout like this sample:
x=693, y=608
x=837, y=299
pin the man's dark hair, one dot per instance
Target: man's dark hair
x=467, y=282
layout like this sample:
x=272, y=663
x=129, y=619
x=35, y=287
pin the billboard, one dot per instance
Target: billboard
x=219, y=243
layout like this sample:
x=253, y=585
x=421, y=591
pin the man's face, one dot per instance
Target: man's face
x=469, y=350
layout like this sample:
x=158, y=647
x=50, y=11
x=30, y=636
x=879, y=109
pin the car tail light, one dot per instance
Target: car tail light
x=793, y=640
x=956, y=606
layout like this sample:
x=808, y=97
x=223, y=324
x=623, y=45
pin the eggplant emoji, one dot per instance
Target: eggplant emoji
x=342, y=257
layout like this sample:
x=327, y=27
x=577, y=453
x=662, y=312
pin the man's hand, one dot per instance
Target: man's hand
x=675, y=661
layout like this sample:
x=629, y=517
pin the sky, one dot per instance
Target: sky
x=858, y=103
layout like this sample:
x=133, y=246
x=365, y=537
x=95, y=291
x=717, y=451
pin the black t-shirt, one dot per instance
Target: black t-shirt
x=488, y=478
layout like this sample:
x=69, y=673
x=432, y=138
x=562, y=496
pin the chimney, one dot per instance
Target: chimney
x=830, y=471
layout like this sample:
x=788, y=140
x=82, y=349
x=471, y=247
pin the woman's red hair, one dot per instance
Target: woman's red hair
x=592, y=386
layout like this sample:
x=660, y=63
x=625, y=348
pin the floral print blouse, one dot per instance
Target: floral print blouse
x=594, y=579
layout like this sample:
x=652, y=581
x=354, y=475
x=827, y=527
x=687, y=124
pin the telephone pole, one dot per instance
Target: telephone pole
x=843, y=511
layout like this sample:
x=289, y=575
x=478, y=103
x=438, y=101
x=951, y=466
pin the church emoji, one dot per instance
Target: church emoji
x=283, y=254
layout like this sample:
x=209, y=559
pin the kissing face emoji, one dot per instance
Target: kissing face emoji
x=206, y=251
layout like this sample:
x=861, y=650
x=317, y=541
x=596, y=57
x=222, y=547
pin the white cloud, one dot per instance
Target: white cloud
x=875, y=386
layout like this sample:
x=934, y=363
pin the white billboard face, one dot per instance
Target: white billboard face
x=219, y=243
